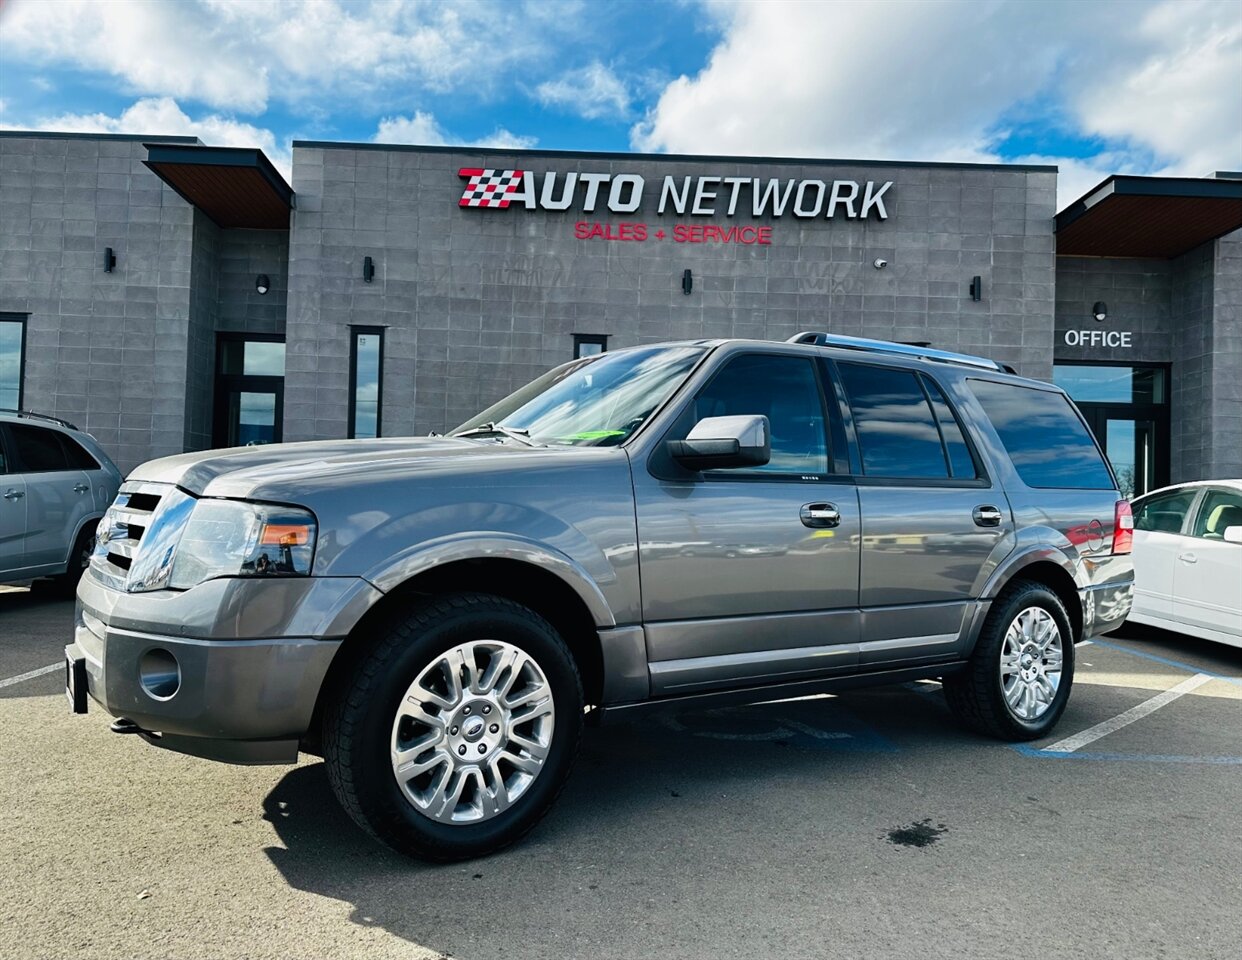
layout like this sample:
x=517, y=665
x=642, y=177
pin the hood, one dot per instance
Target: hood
x=282, y=468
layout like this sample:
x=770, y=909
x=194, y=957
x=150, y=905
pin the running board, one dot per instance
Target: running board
x=615, y=712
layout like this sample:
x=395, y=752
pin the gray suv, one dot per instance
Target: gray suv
x=55, y=483
x=663, y=526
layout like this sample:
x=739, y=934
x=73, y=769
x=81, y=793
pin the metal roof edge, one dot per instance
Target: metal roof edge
x=670, y=157
x=55, y=135
x=158, y=152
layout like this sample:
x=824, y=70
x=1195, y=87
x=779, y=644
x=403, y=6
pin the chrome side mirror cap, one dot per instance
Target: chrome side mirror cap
x=717, y=443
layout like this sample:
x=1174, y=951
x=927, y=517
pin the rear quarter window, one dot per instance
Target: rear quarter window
x=1045, y=438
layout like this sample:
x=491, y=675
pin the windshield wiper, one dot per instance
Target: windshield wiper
x=496, y=429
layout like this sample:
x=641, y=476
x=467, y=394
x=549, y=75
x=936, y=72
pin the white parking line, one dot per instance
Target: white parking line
x=51, y=668
x=1091, y=734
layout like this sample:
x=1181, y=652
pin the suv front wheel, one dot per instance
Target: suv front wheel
x=1018, y=680
x=456, y=731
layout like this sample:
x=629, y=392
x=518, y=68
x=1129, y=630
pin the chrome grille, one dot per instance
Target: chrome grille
x=122, y=527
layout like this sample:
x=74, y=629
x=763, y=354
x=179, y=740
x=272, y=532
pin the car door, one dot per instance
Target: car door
x=58, y=496
x=12, y=514
x=1158, y=539
x=750, y=575
x=930, y=518
x=1207, y=574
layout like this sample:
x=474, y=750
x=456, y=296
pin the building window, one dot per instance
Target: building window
x=366, y=381
x=589, y=344
x=250, y=390
x=12, y=359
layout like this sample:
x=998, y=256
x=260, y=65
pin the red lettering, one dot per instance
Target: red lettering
x=580, y=229
x=747, y=234
x=765, y=236
x=679, y=233
x=640, y=231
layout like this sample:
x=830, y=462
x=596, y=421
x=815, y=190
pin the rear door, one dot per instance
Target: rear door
x=930, y=517
x=12, y=513
x=1207, y=572
x=1158, y=539
x=58, y=495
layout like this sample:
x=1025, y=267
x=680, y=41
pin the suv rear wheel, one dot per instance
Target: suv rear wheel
x=456, y=731
x=1019, y=677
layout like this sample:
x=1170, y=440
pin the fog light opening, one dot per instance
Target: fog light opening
x=159, y=673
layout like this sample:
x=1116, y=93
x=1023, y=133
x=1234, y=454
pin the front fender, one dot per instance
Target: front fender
x=422, y=557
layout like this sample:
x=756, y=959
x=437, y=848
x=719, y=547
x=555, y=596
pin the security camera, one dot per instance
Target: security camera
x=879, y=263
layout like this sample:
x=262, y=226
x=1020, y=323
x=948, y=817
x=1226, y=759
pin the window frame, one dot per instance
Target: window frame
x=22, y=320
x=597, y=339
x=1183, y=529
x=19, y=458
x=1190, y=523
x=662, y=466
x=354, y=333
x=981, y=480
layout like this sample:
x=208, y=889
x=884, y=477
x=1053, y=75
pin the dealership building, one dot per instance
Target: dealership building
x=169, y=296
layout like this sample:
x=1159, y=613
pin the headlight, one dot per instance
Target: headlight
x=228, y=538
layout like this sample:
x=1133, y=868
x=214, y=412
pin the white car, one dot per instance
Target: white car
x=1188, y=560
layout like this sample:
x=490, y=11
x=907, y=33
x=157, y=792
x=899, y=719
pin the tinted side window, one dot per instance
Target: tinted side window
x=1219, y=509
x=784, y=390
x=960, y=460
x=38, y=450
x=1165, y=512
x=896, y=431
x=1044, y=436
x=76, y=454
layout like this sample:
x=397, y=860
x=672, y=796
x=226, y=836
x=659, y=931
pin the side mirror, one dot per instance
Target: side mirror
x=1233, y=534
x=719, y=442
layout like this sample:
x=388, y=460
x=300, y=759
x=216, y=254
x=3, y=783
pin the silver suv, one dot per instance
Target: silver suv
x=657, y=527
x=55, y=483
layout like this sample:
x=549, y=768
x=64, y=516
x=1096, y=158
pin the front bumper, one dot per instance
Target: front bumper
x=239, y=695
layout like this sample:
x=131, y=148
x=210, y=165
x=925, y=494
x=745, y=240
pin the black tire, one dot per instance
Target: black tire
x=976, y=695
x=79, y=559
x=358, y=724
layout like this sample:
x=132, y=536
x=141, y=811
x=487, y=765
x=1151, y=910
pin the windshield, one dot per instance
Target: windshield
x=596, y=401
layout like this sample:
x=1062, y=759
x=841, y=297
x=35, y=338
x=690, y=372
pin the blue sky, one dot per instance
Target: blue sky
x=1095, y=86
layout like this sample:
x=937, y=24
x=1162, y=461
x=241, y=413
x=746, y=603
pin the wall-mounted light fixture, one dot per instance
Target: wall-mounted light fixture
x=687, y=282
x=262, y=283
x=368, y=269
x=1100, y=310
x=976, y=288
x=109, y=260
x=879, y=263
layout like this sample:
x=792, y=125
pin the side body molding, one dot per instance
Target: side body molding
x=496, y=546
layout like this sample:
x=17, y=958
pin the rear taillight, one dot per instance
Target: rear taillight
x=1123, y=527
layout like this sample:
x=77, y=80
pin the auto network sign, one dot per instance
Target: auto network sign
x=625, y=193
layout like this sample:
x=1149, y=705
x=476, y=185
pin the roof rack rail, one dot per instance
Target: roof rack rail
x=900, y=349
x=31, y=415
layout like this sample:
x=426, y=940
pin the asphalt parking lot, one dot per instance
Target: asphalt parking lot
x=864, y=825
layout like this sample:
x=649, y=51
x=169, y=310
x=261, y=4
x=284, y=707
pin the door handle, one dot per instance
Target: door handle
x=14, y=495
x=820, y=515
x=81, y=488
x=1188, y=558
x=987, y=515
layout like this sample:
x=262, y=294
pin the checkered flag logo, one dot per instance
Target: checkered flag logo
x=489, y=188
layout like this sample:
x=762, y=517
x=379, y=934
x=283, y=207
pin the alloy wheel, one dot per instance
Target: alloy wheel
x=1031, y=658
x=472, y=732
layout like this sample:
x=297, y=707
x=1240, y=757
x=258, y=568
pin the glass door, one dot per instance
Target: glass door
x=250, y=391
x=1127, y=408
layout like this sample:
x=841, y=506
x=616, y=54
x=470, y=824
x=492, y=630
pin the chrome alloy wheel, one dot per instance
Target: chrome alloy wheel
x=473, y=732
x=1030, y=663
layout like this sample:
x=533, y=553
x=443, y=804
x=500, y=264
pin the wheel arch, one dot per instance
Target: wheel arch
x=534, y=586
x=1053, y=570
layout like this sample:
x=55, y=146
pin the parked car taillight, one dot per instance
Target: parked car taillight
x=1123, y=527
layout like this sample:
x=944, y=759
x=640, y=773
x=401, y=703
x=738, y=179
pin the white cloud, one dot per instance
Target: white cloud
x=425, y=129
x=162, y=116
x=592, y=92
x=932, y=81
x=241, y=54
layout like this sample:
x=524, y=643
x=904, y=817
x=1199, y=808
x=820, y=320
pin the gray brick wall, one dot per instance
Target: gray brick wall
x=1225, y=401
x=477, y=302
x=104, y=350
